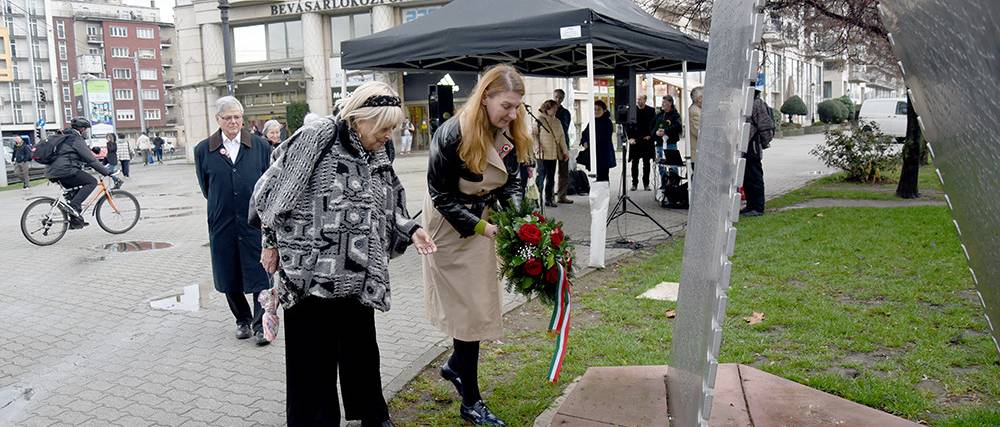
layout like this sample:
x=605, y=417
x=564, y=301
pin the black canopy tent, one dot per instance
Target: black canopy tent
x=538, y=37
x=546, y=38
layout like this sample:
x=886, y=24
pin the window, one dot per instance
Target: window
x=147, y=74
x=93, y=51
x=61, y=29
x=93, y=30
x=64, y=72
x=36, y=51
x=152, y=114
x=123, y=94
x=827, y=90
x=17, y=72
x=258, y=43
x=119, y=52
x=147, y=54
x=18, y=114
x=125, y=114
x=33, y=26
x=144, y=33
x=151, y=94
x=38, y=72
x=121, y=73
x=13, y=45
x=16, y=94
x=62, y=51
x=68, y=114
x=117, y=31
x=348, y=27
x=901, y=108
x=66, y=94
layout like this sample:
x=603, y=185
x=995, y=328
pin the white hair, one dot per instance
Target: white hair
x=309, y=118
x=384, y=117
x=227, y=103
x=696, y=92
x=270, y=124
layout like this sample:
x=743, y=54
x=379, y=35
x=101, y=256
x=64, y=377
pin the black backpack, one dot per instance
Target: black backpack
x=47, y=151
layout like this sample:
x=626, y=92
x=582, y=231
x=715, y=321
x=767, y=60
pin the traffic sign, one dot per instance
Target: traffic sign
x=40, y=123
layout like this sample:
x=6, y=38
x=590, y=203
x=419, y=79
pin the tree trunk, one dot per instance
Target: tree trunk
x=907, y=187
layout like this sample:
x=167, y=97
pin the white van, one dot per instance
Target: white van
x=888, y=113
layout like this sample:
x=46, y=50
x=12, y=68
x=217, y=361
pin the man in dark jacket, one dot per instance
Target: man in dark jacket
x=761, y=130
x=563, y=165
x=668, y=130
x=228, y=165
x=158, y=147
x=640, y=139
x=72, y=155
x=22, y=161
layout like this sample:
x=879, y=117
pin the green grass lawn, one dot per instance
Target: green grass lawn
x=835, y=187
x=18, y=185
x=872, y=304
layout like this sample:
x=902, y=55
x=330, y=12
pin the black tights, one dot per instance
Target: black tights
x=465, y=361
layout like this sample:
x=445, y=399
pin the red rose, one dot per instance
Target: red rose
x=533, y=267
x=552, y=276
x=539, y=216
x=557, y=236
x=530, y=234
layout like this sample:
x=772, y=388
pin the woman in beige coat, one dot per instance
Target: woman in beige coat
x=473, y=166
x=550, y=147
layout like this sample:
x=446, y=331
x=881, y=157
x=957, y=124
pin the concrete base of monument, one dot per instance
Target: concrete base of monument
x=745, y=397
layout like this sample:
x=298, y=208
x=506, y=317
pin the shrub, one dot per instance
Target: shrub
x=864, y=153
x=831, y=111
x=794, y=106
x=848, y=107
x=296, y=113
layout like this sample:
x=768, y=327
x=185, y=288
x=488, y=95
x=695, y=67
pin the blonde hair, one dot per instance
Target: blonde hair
x=477, y=131
x=352, y=110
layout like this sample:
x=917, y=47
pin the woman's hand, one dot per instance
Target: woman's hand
x=491, y=231
x=423, y=242
x=269, y=259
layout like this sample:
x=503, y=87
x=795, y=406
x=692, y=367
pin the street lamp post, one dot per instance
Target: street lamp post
x=227, y=45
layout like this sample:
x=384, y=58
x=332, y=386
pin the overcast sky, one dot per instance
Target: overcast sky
x=166, y=8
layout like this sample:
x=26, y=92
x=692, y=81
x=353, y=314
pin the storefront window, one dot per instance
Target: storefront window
x=349, y=27
x=264, y=42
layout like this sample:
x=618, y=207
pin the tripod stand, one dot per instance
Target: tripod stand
x=624, y=201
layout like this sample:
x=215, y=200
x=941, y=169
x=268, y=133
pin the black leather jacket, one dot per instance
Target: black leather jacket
x=463, y=211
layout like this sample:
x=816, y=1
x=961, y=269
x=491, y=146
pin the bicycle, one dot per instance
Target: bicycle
x=46, y=219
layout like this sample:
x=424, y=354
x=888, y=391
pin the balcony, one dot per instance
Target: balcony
x=95, y=38
x=169, y=83
x=165, y=43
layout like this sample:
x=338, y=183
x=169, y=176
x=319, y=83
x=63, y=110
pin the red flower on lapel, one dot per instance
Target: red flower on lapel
x=224, y=152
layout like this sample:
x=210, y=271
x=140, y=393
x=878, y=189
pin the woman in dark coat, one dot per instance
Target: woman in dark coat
x=228, y=165
x=605, y=145
x=111, y=159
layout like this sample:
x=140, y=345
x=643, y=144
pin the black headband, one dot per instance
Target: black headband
x=382, y=101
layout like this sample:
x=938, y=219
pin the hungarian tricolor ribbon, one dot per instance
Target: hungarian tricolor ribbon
x=559, y=324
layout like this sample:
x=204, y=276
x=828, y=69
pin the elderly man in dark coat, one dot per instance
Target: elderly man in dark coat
x=228, y=164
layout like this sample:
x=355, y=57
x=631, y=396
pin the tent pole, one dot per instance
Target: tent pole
x=684, y=111
x=589, y=114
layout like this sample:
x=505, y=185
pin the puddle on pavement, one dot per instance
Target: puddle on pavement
x=136, y=246
x=189, y=300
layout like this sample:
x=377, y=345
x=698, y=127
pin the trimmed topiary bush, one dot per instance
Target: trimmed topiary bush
x=848, y=107
x=831, y=111
x=296, y=113
x=794, y=106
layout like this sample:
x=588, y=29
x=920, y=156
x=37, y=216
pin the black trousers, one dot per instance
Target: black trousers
x=124, y=164
x=753, y=183
x=79, y=179
x=645, y=171
x=241, y=310
x=523, y=172
x=545, y=177
x=323, y=335
x=603, y=174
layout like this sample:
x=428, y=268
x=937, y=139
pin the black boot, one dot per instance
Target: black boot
x=450, y=375
x=480, y=415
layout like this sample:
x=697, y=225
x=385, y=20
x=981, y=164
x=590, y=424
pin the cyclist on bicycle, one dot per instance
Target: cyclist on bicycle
x=67, y=169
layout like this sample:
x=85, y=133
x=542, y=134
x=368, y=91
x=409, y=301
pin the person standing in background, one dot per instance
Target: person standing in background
x=111, y=158
x=124, y=154
x=406, y=137
x=145, y=146
x=565, y=118
x=22, y=160
x=158, y=147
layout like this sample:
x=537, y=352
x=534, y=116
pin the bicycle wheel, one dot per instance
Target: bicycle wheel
x=120, y=215
x=43, y=222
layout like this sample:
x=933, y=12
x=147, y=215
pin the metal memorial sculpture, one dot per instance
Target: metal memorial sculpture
x=732, y=67
x=949, y=58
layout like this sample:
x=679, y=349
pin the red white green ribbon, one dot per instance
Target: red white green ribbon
x=559, y=325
